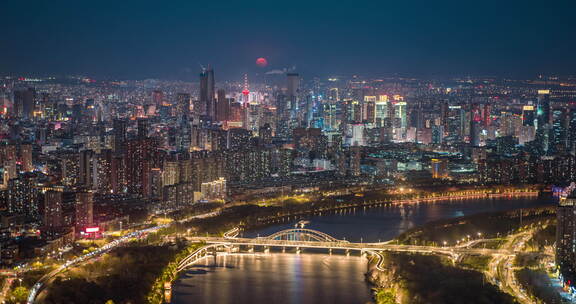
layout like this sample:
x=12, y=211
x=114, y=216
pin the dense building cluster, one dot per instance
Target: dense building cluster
x=76, y=153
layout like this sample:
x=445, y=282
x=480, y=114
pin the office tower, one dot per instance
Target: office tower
x=157, y=98
x=400, y=115
x=207, y=92
x=444, y=114
x=528, y=115
x=293, y=94
x=369, y=110
x=475, y=125
x=381, y=111
x=52, y=215
x=183, y=105
x=439, y=168
x=293, y=85
x=543, y=109
x=119, y=126
x=222, y=106
x=84, y=209
x=143, y=128
x=24, y=103
x=559, y=132
x=566, y=236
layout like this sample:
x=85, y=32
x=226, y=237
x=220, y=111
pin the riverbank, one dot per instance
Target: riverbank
x=425, y=279
x=291, y=209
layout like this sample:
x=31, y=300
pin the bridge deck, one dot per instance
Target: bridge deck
x=349, y=246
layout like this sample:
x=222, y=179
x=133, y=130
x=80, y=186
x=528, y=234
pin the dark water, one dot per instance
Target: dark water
x=316, y=278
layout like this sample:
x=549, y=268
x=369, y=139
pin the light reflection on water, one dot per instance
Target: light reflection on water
x=275, y=278
x=314, y=278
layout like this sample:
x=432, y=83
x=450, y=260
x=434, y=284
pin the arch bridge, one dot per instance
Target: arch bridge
x=301, y=234
x=300, y=238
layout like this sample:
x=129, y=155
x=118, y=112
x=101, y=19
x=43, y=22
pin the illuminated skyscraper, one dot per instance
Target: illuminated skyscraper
x=543, y=109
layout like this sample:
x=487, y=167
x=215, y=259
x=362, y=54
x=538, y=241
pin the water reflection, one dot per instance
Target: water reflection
x=275, y=278
x=313, y=278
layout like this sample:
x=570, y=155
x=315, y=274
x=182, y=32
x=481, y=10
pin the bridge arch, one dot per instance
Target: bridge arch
x=302, y=234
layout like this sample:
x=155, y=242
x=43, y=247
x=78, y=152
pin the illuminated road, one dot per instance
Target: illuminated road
x=109, y=246
x=500, y=269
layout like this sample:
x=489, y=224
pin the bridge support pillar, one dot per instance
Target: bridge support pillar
x=298, y=250
x=347, y=252
x=330, y=251
x=283, y=249
x=251, y=249
x=266, y=249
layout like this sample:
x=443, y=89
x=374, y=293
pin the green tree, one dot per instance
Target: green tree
x=20, y=294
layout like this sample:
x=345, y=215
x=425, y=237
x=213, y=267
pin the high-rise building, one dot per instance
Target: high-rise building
x=138, y=163
x=566, y=236
x=143, y=128
x=119, y=126
x=23, y=196
x=207, y=93
x=24, y=103
x=26, y=157
x=52, y=215
x=84, y=209
x=222, y=106
x=265, y=134
x=528, y=115
x=88, y=169
x=293, y=94
x=543, y=113
x=475, y=125
x=183, y=105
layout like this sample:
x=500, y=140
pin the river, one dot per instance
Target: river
x=320, y=278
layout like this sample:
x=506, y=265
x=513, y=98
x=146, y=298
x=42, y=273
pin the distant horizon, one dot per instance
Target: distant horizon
x=347, y=76
x=145, y=39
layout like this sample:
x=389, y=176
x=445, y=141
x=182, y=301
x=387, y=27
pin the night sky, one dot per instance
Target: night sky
x=168, y=39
